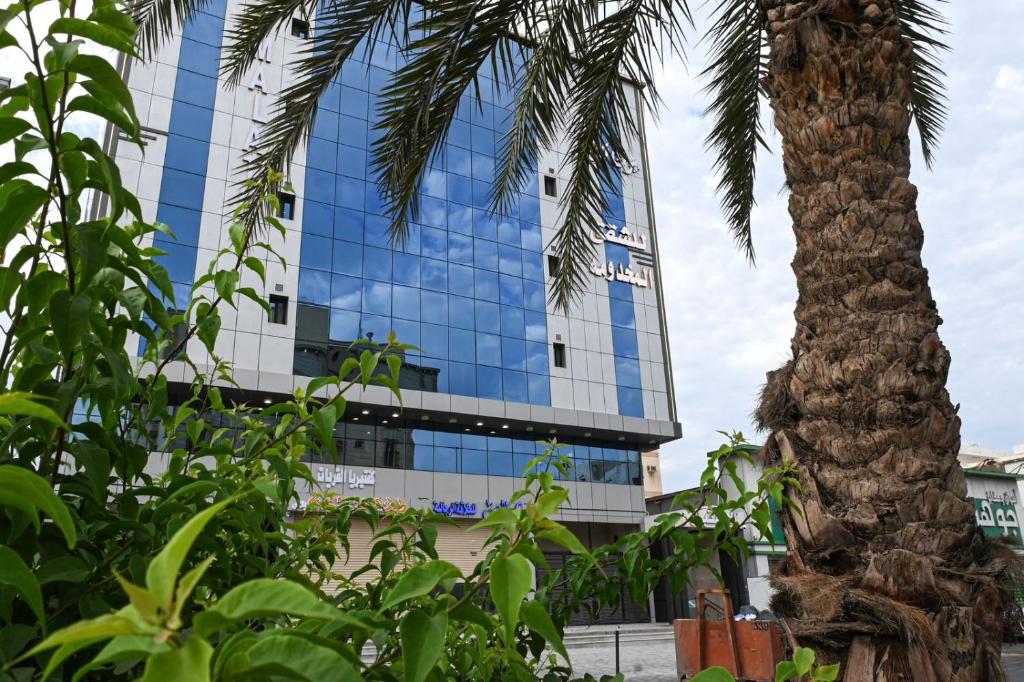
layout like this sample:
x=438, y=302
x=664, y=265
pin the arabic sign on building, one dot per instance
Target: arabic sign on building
x=641, y=277
x=622, y=236
x=998, y=518
x=329, y=501
x=330, y=476
x=461, y=508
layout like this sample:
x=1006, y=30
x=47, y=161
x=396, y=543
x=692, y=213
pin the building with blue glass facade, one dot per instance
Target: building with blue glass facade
x=498, y=367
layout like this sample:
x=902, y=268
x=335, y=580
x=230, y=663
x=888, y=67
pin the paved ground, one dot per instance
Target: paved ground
x=656, y=662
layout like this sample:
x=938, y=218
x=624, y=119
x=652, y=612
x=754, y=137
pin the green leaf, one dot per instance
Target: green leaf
x=536, y=617
x=267, y=597
x=422, y=638
x=803, y=659
x=162, y=573
x=470, y=613
x=548, y=503
x=16, y=574
x=10, y=128
x=826, y=673
x=122, y=648
x=92, y=630
x=99, y=70
x=785, y=670
x=93, y=104
x=503, y=517
x=561, y=535
x=511, y=580
x=22, y=489
x=69, y=319
x=190, y=663
x=225, y=282
x=367, y=363
x=714, y=674
x=418, y=581
x=94, y=32
x=24, y=404
x=22, y=202
x=282, y=654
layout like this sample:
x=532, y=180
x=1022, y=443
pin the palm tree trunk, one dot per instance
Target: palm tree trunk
x=888, y=572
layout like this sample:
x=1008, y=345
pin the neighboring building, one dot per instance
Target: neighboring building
x=992, y=485
x=499, y=367
x=651, y=463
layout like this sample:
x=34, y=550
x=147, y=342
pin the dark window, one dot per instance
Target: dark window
x=300, y=28
x=287, y=201
x=553, y=265
x=550, y=186
x=559, y=354
x=278, y=309
x=176, y=345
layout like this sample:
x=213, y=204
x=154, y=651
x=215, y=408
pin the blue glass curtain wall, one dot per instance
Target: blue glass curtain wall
x=623, y=316
x=467, y=287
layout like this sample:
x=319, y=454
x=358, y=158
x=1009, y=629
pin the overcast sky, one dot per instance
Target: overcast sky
x=729, y=322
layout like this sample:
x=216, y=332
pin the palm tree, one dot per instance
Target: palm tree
x=887, y=571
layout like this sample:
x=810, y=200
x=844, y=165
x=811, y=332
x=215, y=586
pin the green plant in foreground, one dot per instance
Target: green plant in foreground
x=800, y=669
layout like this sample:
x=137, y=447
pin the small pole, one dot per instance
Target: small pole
x=616, y=650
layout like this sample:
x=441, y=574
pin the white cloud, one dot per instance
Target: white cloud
x=729, y=323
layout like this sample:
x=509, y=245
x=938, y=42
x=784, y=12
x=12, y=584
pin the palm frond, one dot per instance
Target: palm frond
x=623, y=46
x=341, y=27
x=157, y=19
x=251, y=28
x=421, y=99
x=923, y=26
x=736, y=40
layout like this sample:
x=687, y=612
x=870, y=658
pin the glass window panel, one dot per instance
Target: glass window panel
x=375, y=231
x=533, y=266
x=485, y=254
x=460, y=312
x=350, y=192
x=180, y=188
x=190, y=120
x=406, y=303
x=434, y=243
x=423, y=458
x=346, y=292
x=315, y=252
x=462, y=344
x=344, y=325
x=530, y=237
x=462, y=377
x=352, y=131
x=620, y=291
x=534, y=297
x=527, y=446
x=474, y=441
x=376, y=298
x=511, y=290
x=325, y=125
x=194, y=88
x=520, y=462
x=320, y=186
x=514, y=386
x=422, y=437
x=407, y=332
x=631, y=401
x=433, y=274
x=458, y=160
x=485, y=225
x=513, y=356
x=185, y=223
x=482, y=140
x=474, y=462
x=499, y=463
x=377, y=325
x=624, y=342
x=536, y=326
x=348, y=258
x=510, y=260
x=314, y=287
x=529, y=208
x=482, y=192
x=488, y=317
x=460, y=278
x=540, y=389
x=445, y=459
x=508, y=231
x=433, y=183
x=180, y=262
x=435, y=307
x=187, y=154
x=377, y=263
x=460, y=249
x=329, y=98
x=434, y=339
x=351, y=161
x=407, y=269
x=488, y=349
x=460, y=219
x=448, y=439
x=488, y=382
x=459, y=135
x=348, y=224
x=460, y=189
x=627, y=372
x=354, y=102
x=512, y=322
x=483, y=167
x=486, y=285
x=537, y=357
x=321, y=155
x=375, y=202
x=433, y=212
